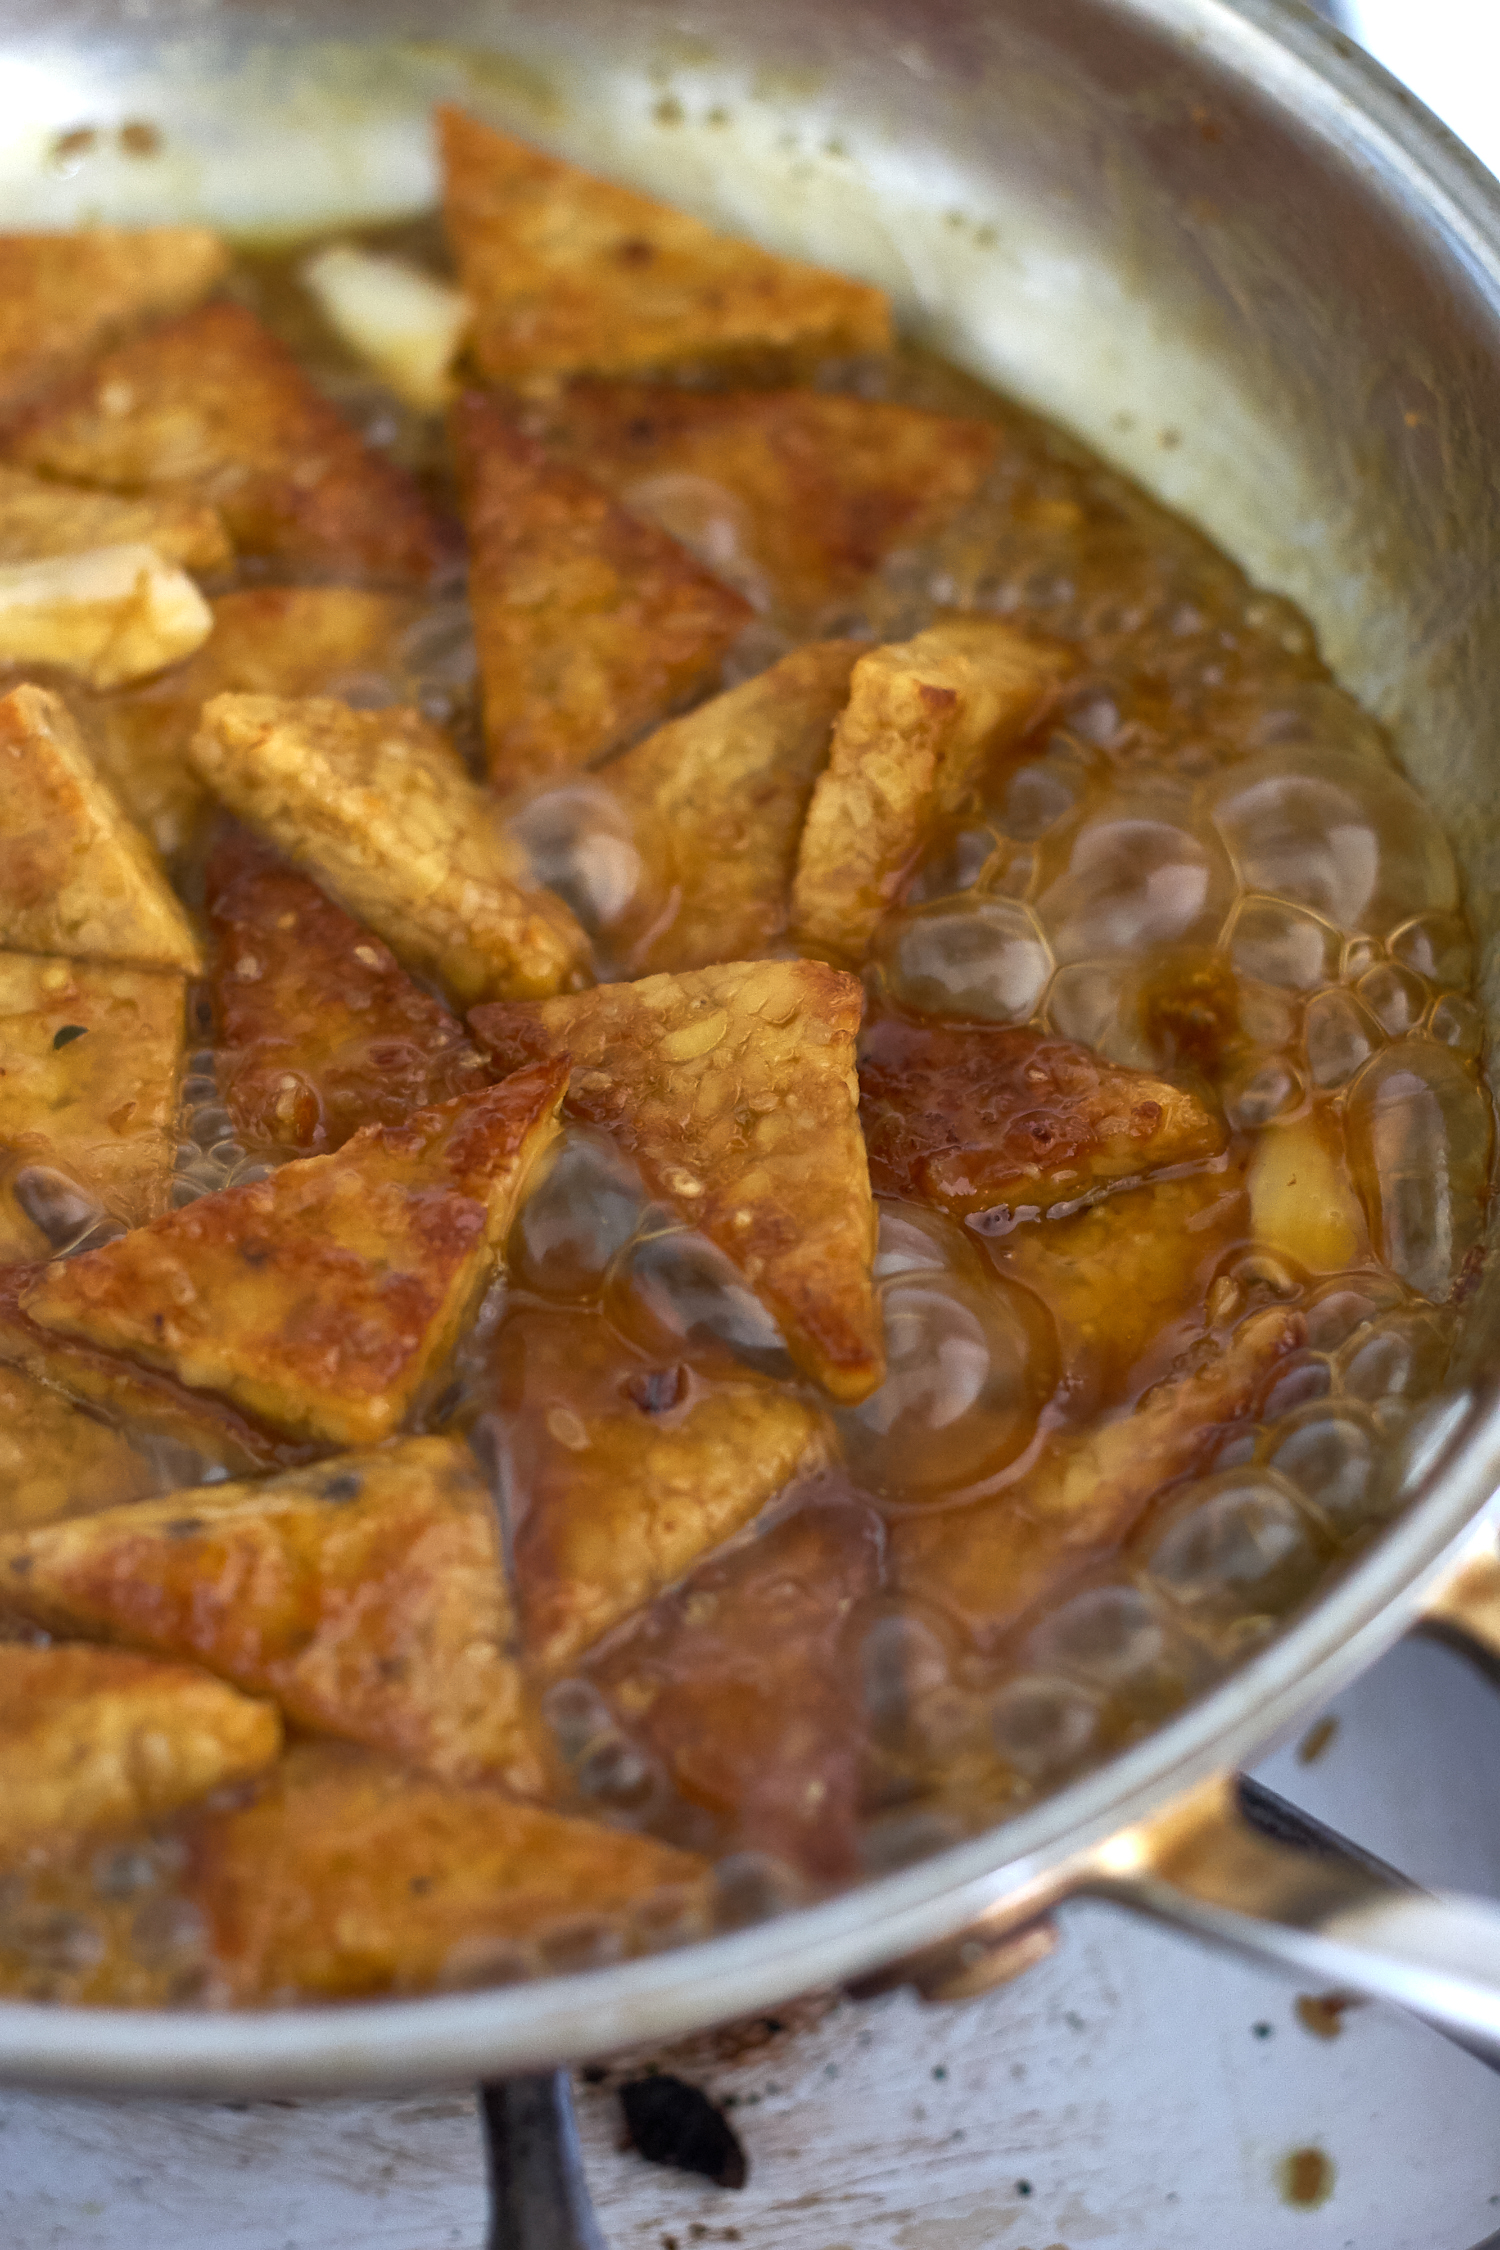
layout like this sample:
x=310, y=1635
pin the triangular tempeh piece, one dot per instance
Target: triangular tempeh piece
x=365, y=1594
x=621, y=1472
x=568, y=273
x=733, y=1089
x=39, y=517
x=199, y=1434
x=75, y=876
x=92, y=1056
x=213, y=406
x=923, y=720
x=797, y=495
x=57, y=1461
x=1015, y=1119
x=266, y=640
x=377, y=808
x=320, y=1028
x=99, y=1737
x=590, y=623
x=325, y=1299
x=347, y=1876
x=62, y=296
x=718, y=800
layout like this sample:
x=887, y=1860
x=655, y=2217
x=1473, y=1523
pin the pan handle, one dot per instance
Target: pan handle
x=1203, y=1868
x=1207, y=1864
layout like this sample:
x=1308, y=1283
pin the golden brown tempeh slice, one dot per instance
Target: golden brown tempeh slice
x=590, y=623
x=622, y=1473
x=266, y=640
x=97, y=1738
x=923, y=720
x=92, y=1055
x=801, y=494
x=188, y=1429
x=62, y=296
x=57, y=1462
x=347, y=1876
x=366, y=1595
x=377, y=808
x=733, y=1089
x=39, y=517
x=75, y=876
x=320, y=1029
x=988, y=1564
x=569, y=273
x=718, y=800
x=1016, y=1120
x=1127, y=1280
x=324, y=1299
x=212, y=407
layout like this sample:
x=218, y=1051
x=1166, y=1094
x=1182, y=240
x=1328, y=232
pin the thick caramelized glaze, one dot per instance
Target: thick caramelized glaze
x=1175, y=1128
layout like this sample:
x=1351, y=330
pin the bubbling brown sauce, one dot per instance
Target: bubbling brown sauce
x=1204, y=865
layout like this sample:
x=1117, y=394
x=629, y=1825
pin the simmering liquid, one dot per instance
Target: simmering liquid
x=1203, y=865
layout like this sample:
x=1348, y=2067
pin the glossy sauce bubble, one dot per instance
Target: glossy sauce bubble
x=1437, y=947
x=1419, y=1133
x=1334, y=1311
x=581, y=843
x=1040, y=793
x=1283, y=945
x=969, y=1369
x=1399, y=1359
x=1230, y=1550
x=974, y=960
x=1347, y=837
x=1260, y=1090
x=1455, y=1022
x=1394, y=996
x=966, y=857
x=1114, y=1639
x=673, y=1293
x=1339, y=1037
x=571, y=1226
x=1135, y=873
x=1333, y=1455
x=914, y=1238
x=1044, y=1728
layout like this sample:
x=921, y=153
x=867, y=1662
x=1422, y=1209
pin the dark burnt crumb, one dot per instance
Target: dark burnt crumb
x=66, y=1033
x=345, y=1487
x=593, y=2074
x=1023, y=2187
x=670, y=2122
x=1262, y=2030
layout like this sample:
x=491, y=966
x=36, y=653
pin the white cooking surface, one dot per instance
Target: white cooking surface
x=1145, y=2093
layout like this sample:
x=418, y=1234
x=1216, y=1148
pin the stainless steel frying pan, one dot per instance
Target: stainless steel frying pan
x=1234, y=257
